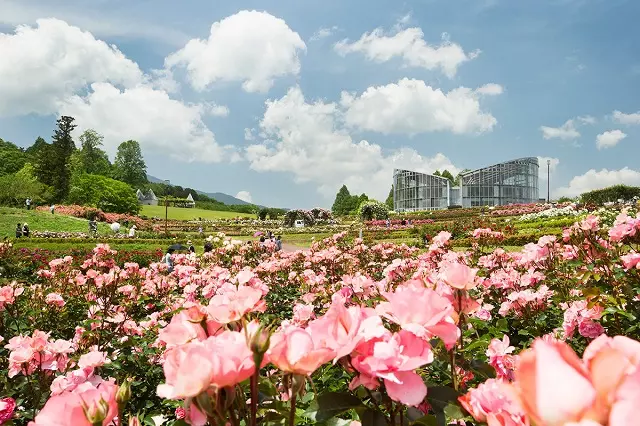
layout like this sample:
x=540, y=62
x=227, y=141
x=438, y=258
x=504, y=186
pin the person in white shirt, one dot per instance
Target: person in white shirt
x=132, y=231
x=168, y=260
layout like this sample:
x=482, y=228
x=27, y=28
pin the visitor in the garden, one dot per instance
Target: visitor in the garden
x=208, y=247
x=278, y=243
x=168, y=260
x=52, y=209
x=132, y=231
x=25, y=230
x=93, y=227
x=262, y=240
x=28, y=203
x=388, y=223
x=18, y=231
x=192, y=249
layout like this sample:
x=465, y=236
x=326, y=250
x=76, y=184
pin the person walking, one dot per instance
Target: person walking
x=18, y=231
x=52, y=209
x=132, y=231
x=168, y=260
x=93, y=228
x=25, y=230
x=278, y=243
x=28, y=203
x=192, y=249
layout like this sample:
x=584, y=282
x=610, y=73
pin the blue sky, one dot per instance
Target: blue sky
x=283, y=101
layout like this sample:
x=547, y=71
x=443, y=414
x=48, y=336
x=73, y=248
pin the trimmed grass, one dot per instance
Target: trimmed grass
x=42, y=221
x=177, y=213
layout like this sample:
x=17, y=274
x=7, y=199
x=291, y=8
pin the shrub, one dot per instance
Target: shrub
x=612, y=193
x=104, y=193
x=370, y=210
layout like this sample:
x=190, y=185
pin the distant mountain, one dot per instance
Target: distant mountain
x=219, y=196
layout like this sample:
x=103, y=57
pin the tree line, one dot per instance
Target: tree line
x=346, y=204
x=61, y=172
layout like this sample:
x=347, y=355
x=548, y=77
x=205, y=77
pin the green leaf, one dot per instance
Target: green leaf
x=475, y=344
x=453, y=411
x=502, y=324
x=371, y=417
x=428, y=420
x=483, y=368
x=329, y=405
x=440, y=396
x=413, y=414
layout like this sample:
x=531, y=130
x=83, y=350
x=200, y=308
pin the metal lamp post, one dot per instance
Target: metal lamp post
x=548, y=181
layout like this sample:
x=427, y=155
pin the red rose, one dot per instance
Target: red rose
x=7, y=407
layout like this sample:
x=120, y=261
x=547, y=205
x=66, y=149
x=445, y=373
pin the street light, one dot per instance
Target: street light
x=548, y=184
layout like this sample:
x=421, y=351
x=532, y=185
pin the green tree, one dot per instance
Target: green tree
x=104, y=193
x=389, y=200
x=17, y=187
x=59, y=153
x=129, y=165
x=94, y=159
x=437, y=173
x=34, y=150
x=343, y=202
x=12, y=158
x=447, y=175
x=355, y=203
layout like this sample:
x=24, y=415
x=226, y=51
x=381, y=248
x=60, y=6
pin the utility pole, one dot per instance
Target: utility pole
x=548, y=181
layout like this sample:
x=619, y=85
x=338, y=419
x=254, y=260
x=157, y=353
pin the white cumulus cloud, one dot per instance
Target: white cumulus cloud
x=252, y=47
x=622, y=118
x=409, y=45
x=609, y=139
x=599, y=179
x=163, y=126
x=587, y=119
x=323, y=33
x=491, y=89
x=244, y=196
x=305, y=139
x=567, y=131
x=42, y=65
x=410, y=106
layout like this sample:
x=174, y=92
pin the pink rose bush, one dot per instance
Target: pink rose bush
x=340, y=333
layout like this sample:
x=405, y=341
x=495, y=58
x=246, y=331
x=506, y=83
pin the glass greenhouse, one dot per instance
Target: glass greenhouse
x=413, y=191
x=511, y=182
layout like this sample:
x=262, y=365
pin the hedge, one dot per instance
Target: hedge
x=513, y=240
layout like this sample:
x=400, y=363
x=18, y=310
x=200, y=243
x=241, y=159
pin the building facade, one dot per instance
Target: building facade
x=511, y=182
x=413, y=191
x=147, y=198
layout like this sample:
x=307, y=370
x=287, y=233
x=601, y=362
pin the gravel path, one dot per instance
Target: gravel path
x=290, y=248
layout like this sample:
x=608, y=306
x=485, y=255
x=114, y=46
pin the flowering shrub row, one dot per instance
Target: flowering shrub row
x=97, y=214
x=568, y=210
x=342, y=333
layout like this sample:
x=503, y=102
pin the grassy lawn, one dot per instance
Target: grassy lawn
x=177, y=213
x=58, y=246
x=41, y=221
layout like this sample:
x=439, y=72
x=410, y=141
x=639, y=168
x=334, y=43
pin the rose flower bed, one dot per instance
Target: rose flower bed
x=341, y=334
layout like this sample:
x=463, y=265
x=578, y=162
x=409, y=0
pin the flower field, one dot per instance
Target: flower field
x=341, y=334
